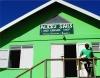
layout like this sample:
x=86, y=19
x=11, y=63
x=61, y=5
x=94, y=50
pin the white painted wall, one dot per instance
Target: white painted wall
x=57, y=66
x=4, y=58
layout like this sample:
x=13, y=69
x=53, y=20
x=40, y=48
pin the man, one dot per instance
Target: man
x=85, y=55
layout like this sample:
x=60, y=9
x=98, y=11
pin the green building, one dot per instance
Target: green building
x=51, y=31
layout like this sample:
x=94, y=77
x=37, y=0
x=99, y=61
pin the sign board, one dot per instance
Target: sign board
x=56, y=29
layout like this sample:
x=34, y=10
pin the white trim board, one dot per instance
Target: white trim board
x=47, y=4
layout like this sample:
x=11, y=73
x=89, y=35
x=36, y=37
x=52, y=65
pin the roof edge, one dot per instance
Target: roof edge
x=47, y=4
x=79, y=9
x=26, y=15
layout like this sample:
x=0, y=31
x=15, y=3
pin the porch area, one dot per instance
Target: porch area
x=61, y=70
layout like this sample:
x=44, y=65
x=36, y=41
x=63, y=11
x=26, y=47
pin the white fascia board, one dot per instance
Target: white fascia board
x=79, y=9
x=26, y=15
x=45, y=5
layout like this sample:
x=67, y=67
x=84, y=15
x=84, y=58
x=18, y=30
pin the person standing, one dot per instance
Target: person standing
x=85, y=55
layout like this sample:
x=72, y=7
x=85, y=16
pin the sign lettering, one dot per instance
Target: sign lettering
x=56, y=29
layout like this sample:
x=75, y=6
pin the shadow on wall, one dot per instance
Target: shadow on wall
x=27, y=24
x=2, y=69
x=40, y=17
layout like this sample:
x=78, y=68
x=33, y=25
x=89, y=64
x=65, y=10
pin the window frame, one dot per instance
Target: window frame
x=19, y=47
x=96, y=44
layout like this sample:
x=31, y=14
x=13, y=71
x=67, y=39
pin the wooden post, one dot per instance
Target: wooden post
x=78, y=68
x=62, y=57
x=45, y=69
x=94, y=68
x=30, y=73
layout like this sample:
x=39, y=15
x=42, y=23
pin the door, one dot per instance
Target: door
x=70, y=65
x=57, y=66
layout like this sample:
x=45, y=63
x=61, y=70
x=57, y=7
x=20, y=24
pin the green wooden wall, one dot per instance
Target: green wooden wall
x=83, y=32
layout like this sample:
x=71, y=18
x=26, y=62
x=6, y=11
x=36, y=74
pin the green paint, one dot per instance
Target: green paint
x=83, y=32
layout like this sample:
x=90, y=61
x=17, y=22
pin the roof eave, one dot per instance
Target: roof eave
x=45, y=5
x=26, y=15
x=79, y=9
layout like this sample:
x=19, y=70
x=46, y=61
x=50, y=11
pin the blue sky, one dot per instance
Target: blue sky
x=12, y=9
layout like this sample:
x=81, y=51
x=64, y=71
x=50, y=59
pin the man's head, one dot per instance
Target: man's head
x=87, y=46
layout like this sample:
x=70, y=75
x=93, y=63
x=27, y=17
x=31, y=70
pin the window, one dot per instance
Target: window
x=4, y=58
x=27, y=53
x=17, y=57
x=96, y=47
x=14, y=58
x=21, y=56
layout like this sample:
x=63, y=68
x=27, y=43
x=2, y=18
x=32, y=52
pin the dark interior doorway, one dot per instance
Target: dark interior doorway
x=70, y=66
x=14, y=59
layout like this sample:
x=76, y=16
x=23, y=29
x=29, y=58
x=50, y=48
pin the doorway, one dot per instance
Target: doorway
x=70, y=65
x=67, y=68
